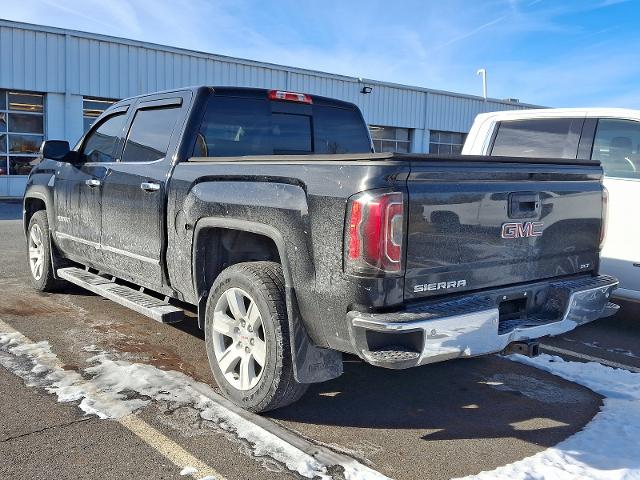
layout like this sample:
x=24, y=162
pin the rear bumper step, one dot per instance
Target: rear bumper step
x=472, y=325
x=129, y=297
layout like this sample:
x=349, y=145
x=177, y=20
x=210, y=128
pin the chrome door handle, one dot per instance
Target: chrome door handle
x=150, y=186
x=93, y=182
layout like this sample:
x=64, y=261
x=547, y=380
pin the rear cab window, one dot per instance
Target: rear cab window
x=240, y=126
x=540, y=138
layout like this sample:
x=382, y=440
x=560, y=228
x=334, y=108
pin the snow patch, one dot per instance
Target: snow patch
x=607, y=448
x=91, y=348
x=112, y=388
x=188, y=471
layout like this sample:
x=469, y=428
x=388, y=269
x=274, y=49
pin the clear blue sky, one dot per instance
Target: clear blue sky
x=549, y=52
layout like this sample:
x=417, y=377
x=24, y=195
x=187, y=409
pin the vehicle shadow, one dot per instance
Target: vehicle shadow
x=489, y=397
x=481, y=398
x=190, y=325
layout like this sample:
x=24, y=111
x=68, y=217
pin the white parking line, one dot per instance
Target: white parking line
x=584, y=356
x=149, y=435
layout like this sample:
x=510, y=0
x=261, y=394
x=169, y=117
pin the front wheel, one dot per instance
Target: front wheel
x=39, y=253
x=247, y=337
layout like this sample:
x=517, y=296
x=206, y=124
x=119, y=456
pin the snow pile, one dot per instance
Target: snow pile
x=100, y=395
x=608, y=448
x=112, y=388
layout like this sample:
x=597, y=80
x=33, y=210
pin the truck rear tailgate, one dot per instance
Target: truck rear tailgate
x=480, y=224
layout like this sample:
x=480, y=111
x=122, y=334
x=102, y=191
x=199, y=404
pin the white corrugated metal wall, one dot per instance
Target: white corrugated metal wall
x=67, y=65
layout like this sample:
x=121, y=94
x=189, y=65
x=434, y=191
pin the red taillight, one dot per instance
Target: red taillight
x=374, y=233
x=289, y=96
x=354, y=226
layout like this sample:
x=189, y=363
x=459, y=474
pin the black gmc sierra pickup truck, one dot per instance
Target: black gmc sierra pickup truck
x=267, y=213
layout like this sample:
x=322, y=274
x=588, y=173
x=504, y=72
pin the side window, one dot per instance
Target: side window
x=150, y=134
x=100, y=144
x=540, y=137
x=617, y=146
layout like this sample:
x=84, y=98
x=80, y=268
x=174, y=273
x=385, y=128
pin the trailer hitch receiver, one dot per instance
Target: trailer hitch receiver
x=529, y=348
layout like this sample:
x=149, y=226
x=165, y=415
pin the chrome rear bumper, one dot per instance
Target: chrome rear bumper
x=472, y=326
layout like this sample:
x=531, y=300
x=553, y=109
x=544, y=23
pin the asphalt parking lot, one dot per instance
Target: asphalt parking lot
x=441, y=421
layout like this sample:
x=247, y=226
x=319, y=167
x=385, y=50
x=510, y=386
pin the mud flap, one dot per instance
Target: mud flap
x=311, y=364
x=57, y=260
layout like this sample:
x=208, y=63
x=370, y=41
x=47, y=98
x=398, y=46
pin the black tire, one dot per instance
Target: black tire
x=46, y=282
x=276, y=387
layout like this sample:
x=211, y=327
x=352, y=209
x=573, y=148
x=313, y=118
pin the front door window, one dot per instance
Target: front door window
x=101, y=144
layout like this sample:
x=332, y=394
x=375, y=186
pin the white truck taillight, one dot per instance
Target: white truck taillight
x=605, y=213
x=374, y=233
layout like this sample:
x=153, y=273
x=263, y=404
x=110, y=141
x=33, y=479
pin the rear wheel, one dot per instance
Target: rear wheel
x=247, y=337
x=39, y=253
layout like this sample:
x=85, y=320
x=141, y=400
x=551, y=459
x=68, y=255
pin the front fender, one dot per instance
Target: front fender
x=42, y=193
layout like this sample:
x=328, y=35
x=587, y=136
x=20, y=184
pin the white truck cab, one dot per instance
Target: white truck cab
x=611, y=135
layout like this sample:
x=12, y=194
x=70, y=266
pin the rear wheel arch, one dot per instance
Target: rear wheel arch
x=221, y=242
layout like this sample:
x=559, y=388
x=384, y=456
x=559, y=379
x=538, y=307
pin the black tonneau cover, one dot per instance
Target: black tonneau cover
x=411, y=157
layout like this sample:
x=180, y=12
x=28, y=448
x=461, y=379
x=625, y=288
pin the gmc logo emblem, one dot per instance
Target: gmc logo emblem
x=521, y=230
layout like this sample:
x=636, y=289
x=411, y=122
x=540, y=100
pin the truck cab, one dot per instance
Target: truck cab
x=609, y=135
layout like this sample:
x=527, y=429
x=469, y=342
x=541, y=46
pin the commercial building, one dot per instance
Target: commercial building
x=54, y=82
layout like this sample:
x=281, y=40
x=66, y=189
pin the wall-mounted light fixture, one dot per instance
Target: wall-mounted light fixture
x=366, y=90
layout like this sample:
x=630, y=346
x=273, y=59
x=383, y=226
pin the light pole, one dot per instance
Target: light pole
x=483, y=73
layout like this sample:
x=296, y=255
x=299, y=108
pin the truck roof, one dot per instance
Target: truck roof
x=248, y=92
x=562, y=112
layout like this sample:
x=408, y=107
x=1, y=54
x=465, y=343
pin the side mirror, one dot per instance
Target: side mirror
x=55, y=149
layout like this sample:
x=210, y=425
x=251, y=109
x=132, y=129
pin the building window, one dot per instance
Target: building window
x=21, y=131
x=446, y=142
x=92, y=108
x=390, y=139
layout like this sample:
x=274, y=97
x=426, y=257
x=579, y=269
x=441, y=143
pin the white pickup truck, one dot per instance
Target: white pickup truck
x=611, y=135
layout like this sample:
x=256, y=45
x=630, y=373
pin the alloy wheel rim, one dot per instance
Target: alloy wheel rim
x=239, y=339
x=36, y=251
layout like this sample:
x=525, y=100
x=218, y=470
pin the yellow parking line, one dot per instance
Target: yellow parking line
x=589, y=358
x=167, y=447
